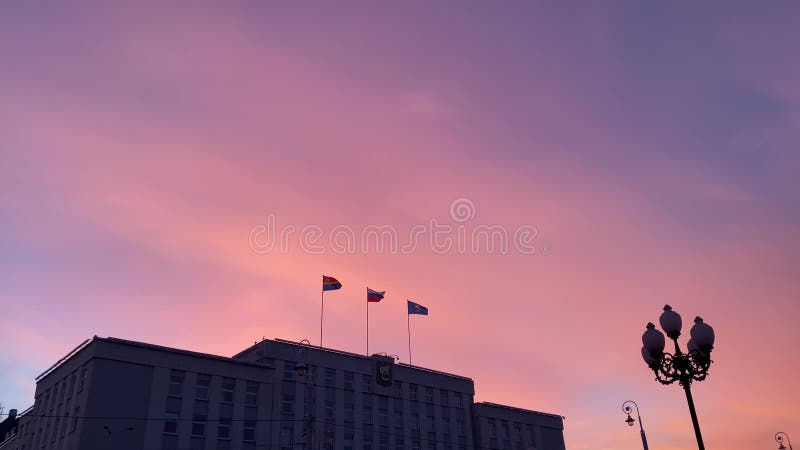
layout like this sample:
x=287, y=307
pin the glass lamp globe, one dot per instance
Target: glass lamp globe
x=702, y=335
x=653, y=341
x=671, y=322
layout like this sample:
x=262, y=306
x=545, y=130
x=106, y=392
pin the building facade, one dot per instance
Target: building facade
x=281, y=395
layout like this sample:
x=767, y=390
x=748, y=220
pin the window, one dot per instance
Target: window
x=444, y=396
x=249, y=431
x=383, y=438
x=531, y=435
x=266, y=360
x=287, y=401
x=412, y=391
x=287, y=436
x=288, y=370
x=330, y=377
x=176, y=382
x=459, y=400
x=492, y=427
x=506, y=432
x=414, y=420
x=198, y=426
x=398, y=418
x=330, y=407
x=432, y=440
x=251, y=396
x=201, y=388
x=75, y=419
x=228, y=385
x=173, y=411
x=169, y=442
x=398, y=389
x=224, y=428
x=368, y=432
x=71, y=387
x=348, y=413
x=398, y=438
x=460, y=426
x=367, y=417
x=82, y=379
x=349, y=384
x=330, y=437
x=493, y=443
x=428, y=394
x=506, y=444
x=415, y=444
x=171, y=422
x=366, y=383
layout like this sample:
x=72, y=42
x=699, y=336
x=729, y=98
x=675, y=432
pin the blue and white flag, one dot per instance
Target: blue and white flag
x=416, y=308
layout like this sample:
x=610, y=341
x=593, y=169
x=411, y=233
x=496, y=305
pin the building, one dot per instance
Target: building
x=505, y=427
x=276, y=394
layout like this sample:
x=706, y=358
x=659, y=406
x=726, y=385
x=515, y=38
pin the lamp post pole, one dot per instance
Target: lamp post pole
x=626, y=408
x=685, y=368
x=780, y=437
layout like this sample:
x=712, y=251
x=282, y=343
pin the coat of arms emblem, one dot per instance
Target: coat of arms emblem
x=384, y=373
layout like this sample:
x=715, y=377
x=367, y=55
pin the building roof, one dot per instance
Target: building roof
x=114, y=340
x=349, y=354
x=513, y=408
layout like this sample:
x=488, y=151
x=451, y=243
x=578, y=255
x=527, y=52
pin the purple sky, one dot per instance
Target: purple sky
x=653, y=147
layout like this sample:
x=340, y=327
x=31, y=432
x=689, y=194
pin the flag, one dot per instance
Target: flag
x=374, y=296
x=330, y=283
x=416, y=308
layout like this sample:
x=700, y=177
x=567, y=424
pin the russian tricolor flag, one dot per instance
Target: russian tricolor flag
x=374, y=296
x=330, y=283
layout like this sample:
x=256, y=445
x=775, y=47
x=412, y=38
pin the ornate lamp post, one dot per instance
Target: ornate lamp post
x=681, y=367
x=626, y=408
x=779, y=438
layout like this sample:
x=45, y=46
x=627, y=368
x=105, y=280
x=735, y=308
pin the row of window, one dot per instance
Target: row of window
x=200, y=408
x=287, y=439
x=56, y=402
x=504, y=424
x=177, y=380
x=348, y=383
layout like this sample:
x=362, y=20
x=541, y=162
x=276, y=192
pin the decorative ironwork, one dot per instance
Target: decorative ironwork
x=780, y=437
x=681, y=367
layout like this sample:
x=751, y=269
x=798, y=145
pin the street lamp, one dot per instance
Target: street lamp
x=626, y=408
x=779, y=437
x=681, y=367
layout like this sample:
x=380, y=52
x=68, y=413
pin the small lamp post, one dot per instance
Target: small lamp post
x=684, y=368
x=626, y=408
x=780, y=437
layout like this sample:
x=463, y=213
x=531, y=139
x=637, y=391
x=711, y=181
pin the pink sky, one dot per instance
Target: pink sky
x=655, y=151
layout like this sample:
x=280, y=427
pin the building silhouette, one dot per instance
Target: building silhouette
x=279, y=395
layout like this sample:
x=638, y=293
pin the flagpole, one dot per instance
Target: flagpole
x=409, y=339
x=367, y=326
x=321, y=315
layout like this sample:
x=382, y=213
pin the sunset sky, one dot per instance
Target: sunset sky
x=653, y=148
